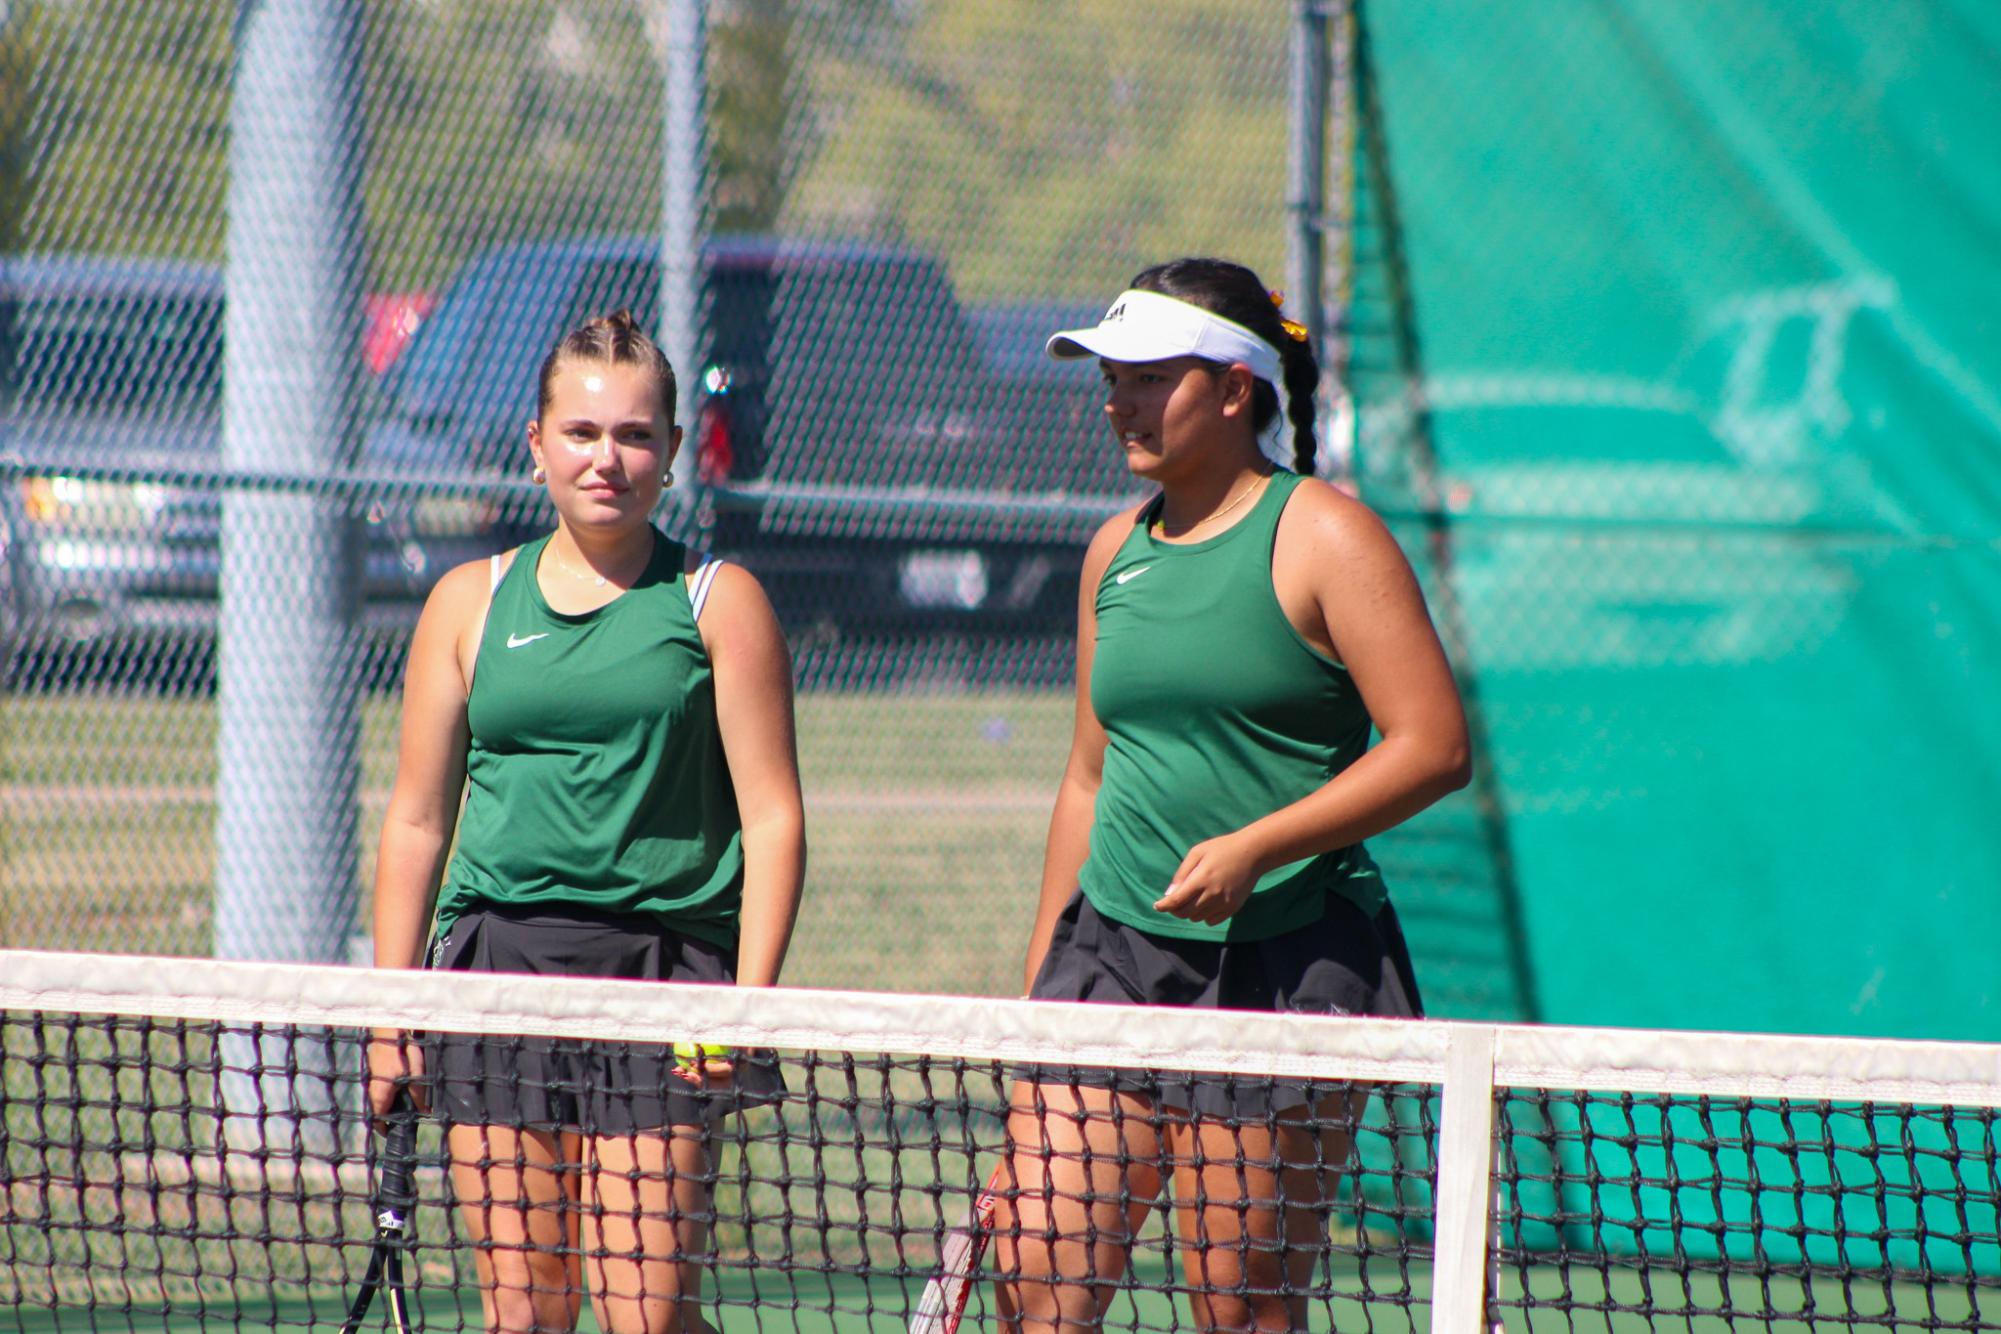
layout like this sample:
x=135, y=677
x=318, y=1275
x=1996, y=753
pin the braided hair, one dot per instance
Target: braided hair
x=613, y=340
x=1237, y=294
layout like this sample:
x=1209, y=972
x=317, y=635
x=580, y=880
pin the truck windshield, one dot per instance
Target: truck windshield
x=473, y=363
x=429, y=378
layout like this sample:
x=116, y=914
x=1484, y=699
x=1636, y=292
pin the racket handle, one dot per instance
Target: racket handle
x=396, y=1166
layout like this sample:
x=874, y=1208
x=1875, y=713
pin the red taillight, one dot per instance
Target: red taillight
x=715, y=455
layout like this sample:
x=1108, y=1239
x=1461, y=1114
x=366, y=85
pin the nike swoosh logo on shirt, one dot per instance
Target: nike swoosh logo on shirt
x=1131, y=574
x=516, y=641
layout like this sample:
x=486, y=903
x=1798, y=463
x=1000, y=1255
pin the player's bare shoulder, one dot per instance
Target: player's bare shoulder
x=455, y=612
x=1323, y=523
x=734, y=591
x=1338, y=570
x=460, y=593
x=732, y=610
x=1105, y=543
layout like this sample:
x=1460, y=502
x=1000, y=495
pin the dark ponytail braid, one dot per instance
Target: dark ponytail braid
x=1302, y=380
x=1237, y=294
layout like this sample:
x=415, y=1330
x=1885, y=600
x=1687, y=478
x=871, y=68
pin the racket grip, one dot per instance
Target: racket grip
x=396, y=1167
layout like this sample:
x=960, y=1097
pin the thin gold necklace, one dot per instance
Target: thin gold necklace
x=594, y=579
x=1160, y=520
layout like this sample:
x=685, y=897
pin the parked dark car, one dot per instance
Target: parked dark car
x=110, y=418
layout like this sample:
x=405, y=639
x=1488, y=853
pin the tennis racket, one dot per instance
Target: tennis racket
x=395, y=1197
x=944, y=1299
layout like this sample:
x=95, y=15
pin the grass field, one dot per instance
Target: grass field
x=926, y=815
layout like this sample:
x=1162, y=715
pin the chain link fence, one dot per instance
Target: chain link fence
x=1686, y=430
x=277, y=278
x=1685, y=399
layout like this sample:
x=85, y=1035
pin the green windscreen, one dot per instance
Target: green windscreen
x=1704, y=479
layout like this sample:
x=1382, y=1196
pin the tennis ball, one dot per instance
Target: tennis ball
x=691, y=1054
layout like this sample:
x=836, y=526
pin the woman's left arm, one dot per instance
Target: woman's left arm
x=753, y=675
x=1338, y=568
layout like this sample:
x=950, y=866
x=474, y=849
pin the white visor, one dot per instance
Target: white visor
x=1146, y=326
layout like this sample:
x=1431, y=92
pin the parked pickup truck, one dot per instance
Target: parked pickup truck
x=858, y=446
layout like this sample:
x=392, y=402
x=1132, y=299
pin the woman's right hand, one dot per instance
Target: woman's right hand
x=704, y=1067
x=395, y=1063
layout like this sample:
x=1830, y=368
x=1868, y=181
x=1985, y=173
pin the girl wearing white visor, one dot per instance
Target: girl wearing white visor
x=1239, y=634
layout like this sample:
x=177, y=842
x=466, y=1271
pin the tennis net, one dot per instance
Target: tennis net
x=184, y=1145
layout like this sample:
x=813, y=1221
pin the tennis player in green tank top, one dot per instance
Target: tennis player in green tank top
x=618, y=715
x=1239, y=634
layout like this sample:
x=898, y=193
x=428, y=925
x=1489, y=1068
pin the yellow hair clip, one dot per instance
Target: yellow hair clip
x=1293, y=328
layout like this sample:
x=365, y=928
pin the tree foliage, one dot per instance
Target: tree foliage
x=1042, y=147
x=20, y=46
x=485, y=121
x=126, y=111
x=491, y=120
x=1054, y=146
x=752, y=106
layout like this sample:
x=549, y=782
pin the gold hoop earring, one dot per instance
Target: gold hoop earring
x=540, y=475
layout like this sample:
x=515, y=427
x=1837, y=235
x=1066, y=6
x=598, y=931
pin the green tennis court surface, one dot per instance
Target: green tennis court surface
x=1568, y=1299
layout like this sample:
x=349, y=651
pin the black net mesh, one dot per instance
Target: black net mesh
x=820, y=1189
x=888, y=1161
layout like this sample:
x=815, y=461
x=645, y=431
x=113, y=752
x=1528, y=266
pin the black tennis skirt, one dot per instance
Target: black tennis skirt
x=593, y=1087
x=1345, y=963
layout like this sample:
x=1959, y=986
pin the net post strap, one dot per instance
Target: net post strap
x=1465, y=1185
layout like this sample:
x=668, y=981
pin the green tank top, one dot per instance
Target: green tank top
x=595, y=776
x=1217, y=713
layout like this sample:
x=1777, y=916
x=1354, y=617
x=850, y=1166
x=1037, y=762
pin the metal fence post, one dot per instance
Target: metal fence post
x=1306, y=178
x=286, y=856
x=684, y=170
